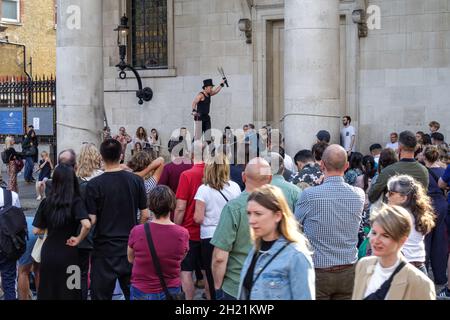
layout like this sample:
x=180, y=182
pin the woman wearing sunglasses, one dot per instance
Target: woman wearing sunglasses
x=406, y=192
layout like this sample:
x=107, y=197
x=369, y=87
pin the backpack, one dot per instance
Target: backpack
x=5, y=159
x=13, y=229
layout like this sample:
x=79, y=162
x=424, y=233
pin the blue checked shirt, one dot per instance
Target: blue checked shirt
x=330, y=215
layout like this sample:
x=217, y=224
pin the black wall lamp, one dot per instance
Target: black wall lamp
x=144, y=94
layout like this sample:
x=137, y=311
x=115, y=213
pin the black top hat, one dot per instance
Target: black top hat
x=207, y=83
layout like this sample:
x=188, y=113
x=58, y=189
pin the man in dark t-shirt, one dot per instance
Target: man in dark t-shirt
x=113, y=200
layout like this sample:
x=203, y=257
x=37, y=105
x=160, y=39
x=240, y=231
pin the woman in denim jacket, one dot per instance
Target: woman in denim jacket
x=279, y=266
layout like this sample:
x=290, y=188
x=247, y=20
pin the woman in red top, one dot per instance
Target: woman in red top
x=171, y=244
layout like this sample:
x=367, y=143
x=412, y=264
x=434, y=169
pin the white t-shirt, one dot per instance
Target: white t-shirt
x=414, y=247
x=346, y=137
x=393, y=146
x=15, y=199
x=214, y=203
x=379, y=276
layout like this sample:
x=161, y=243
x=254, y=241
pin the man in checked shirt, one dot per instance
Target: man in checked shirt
x=330, y=215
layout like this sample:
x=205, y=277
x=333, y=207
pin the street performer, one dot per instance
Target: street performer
x=201, y=106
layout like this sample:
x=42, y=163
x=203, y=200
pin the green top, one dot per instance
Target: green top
x=404, y=166
x=290, y=191
x=233, y=235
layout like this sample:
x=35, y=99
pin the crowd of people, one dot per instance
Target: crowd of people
x=252, y=222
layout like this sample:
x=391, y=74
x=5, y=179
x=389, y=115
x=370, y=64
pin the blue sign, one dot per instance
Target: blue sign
x=11, y=121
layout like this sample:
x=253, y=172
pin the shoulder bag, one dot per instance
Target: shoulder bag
x=157, y=265
x=381, y=293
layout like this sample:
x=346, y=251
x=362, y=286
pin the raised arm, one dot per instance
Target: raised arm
x=217, y=89
x=156, y=164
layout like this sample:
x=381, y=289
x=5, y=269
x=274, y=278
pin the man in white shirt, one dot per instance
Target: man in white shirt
x=394, y=142
x=348, y=135
x=8, y=270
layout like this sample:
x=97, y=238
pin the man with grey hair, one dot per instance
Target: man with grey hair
x=291, y=192
x=231, y=239
x=331, y=215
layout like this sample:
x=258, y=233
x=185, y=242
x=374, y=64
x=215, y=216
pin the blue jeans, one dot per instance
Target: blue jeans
x=29, y=165
x=222, y=295
x=8, y=271
x=136, y=294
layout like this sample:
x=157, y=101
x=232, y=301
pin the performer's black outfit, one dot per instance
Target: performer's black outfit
x=203, y=114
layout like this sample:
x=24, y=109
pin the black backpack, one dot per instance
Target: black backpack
x=13, y=229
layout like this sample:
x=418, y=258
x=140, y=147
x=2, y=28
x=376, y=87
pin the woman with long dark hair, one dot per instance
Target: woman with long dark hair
x=60, y=214
x=364, y=182
x=355, y=168
x=155, y=142
x=436, y=244
x=142, y=137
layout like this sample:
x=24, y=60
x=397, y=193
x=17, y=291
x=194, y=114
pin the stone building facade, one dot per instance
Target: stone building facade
x=31, y=23
x=307, y=65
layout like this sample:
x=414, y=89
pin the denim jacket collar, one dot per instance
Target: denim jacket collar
x=281, y=241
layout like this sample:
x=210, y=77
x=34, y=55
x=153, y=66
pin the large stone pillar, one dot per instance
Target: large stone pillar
x=311, y=72
x=79, y=73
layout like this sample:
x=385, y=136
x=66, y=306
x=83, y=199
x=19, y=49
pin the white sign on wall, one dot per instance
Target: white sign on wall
x=36, y=123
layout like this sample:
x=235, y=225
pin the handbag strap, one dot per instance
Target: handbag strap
x=271, y=259
x=155, y=260
x=381, y=293
x=223, y=196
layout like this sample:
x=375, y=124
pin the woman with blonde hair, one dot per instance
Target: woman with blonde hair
x=217, y=189
x=89, y=164
x=15, y=163
x=406, y=192
x=279, y=266
x=386, y=275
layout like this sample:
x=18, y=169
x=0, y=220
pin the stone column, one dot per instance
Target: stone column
x=79, y=73
x=311, y=72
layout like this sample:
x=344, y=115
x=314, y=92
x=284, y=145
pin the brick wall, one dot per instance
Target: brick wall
x=36, y=30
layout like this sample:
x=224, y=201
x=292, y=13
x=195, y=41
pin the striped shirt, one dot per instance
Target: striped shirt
x=330, y=215
x=150, y=184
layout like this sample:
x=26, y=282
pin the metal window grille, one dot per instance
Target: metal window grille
x=149, y=34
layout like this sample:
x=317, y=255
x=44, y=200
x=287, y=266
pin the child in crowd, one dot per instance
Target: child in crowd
x=45, y=168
